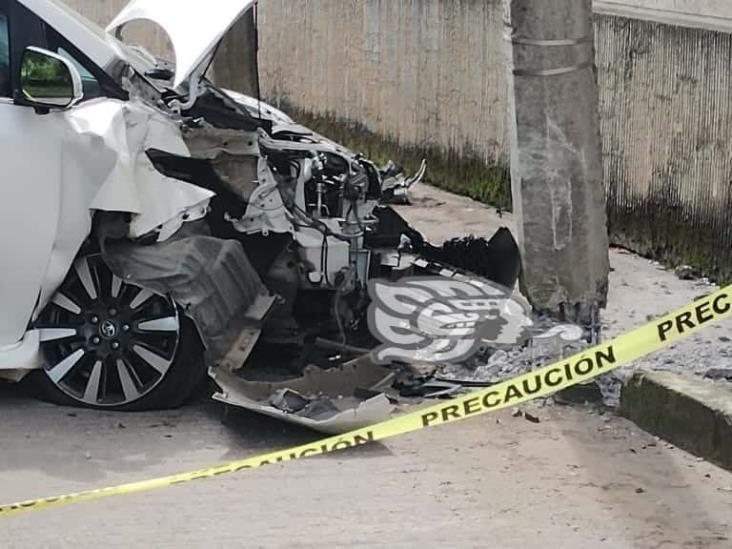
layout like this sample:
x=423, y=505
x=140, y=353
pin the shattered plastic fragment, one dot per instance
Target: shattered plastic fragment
x=331, y=401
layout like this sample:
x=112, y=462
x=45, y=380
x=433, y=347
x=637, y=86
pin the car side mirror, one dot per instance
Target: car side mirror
x=48, y=81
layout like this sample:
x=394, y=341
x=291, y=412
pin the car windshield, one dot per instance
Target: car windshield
x=4, y=41
x=4, y=56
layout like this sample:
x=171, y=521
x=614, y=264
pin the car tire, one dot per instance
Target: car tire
x=109, y=344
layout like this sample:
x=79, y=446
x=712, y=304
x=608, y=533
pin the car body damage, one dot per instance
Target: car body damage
x=130, y=182
x=173, y=218
x=336, y=400
x=96, y=162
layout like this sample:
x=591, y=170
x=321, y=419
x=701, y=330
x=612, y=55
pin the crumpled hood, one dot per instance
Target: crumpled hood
x=195, y=28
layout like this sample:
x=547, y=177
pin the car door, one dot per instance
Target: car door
x=30, y=161
x=45, y=170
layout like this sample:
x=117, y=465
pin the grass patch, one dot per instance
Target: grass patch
x=460, y=173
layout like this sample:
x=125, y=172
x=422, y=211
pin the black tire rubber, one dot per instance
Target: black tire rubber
x=186, y=376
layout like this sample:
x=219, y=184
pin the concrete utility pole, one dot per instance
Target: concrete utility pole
x=556, y=166
x=235, y=66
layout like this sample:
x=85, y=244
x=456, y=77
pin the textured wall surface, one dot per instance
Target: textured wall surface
x=99, y=11
x=666, y=110
x=419, y=71
x=103, y=11
x=432, y=73
x=711, y=8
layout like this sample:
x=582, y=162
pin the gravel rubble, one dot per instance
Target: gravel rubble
x=706, y=354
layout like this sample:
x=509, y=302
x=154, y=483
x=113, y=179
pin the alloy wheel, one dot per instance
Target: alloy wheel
x=107, y=343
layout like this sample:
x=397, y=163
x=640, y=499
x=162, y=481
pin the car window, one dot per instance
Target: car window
x=4, y=57
x=91, y=85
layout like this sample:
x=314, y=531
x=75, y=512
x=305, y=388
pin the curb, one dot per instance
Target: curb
x=691, y=413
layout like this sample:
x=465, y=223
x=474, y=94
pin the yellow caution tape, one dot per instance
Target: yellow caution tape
x=542, y=382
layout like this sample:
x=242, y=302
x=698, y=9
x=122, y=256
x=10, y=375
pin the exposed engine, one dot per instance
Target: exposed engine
x=329, y=196
x=315, y=220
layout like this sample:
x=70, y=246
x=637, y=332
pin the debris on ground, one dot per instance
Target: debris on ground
x=396, y=185
x=719, y=374
x=550, y=341
x=687, y=272
x=431, y=389
x=418, y=380
x=585, y=393
x=332, y=401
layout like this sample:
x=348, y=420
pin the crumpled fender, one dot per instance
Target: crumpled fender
x=105, y=167
x=128, y=130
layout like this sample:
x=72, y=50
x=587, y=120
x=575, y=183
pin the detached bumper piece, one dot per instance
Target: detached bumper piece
x=497, y=259
x=395, y=187
x=331, y=401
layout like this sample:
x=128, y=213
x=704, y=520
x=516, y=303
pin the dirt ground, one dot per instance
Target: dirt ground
x=640, y=290
x=577, y=479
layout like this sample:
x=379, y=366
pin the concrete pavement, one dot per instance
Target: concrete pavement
x=574, y=480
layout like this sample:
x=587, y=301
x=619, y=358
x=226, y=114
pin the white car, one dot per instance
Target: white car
x=148, y=216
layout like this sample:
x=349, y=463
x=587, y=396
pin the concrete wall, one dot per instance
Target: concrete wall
x=420, y=71
x=431, y=73
x=99, y=11
x=103, y=11
x=424, y=75
x=703, y=14
x=666, y=109
x=708, y=8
